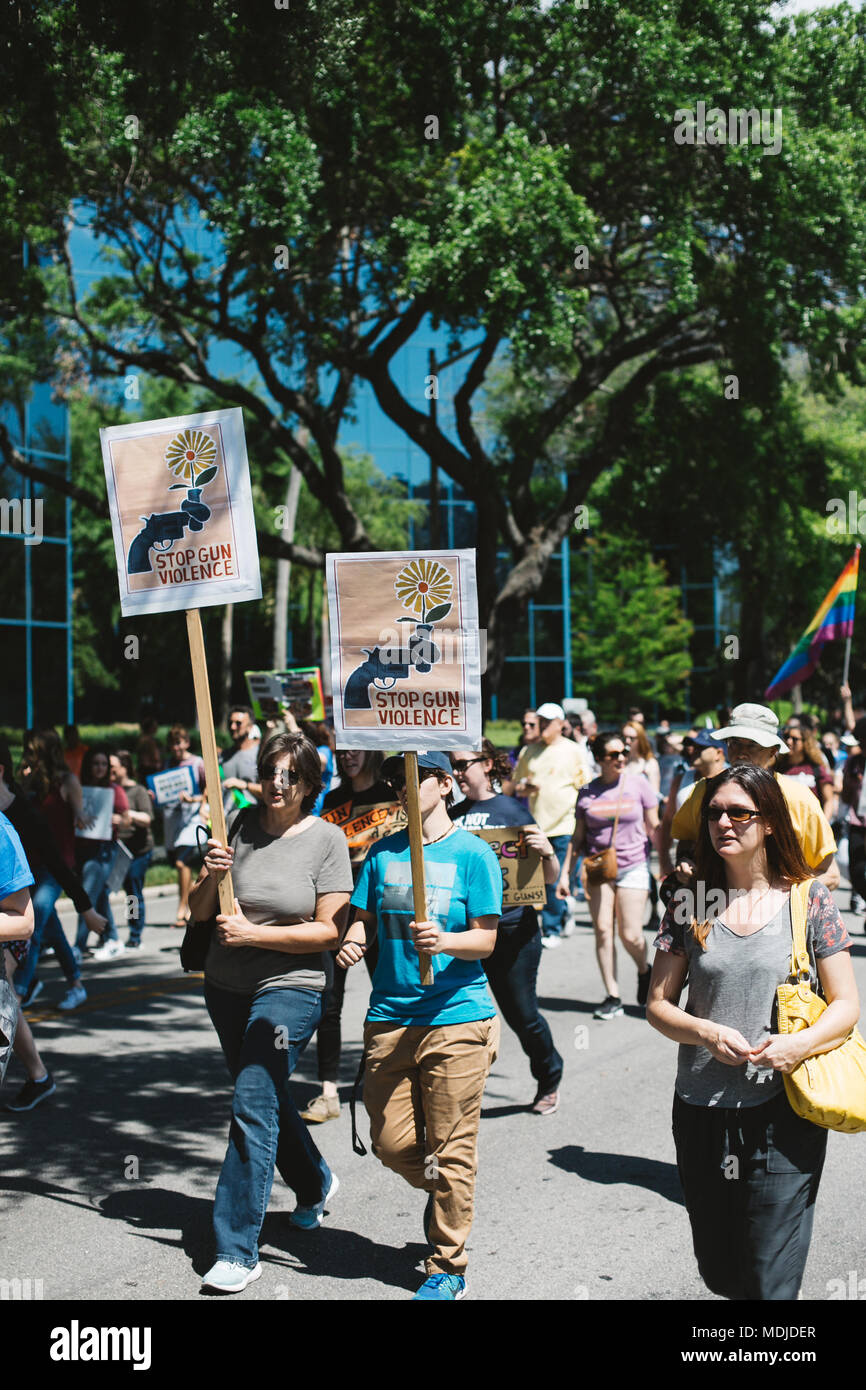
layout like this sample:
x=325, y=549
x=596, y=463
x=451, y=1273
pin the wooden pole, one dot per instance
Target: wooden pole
x=204, y=712
x=416, y=855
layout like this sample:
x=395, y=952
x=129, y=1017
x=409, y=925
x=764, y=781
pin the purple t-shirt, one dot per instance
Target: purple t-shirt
x=596, y=806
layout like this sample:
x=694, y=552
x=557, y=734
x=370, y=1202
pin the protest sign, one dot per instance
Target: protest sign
x=98, y=807
x=363, y=825
x=168, y=786
x=194, y=549
x=405, y=653
x=299, y=691
x=522, y=870
x=185, y=552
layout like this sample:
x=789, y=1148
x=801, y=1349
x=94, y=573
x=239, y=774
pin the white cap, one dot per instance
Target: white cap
x=550, y=711
x=756, y=723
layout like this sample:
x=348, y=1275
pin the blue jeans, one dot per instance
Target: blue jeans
x=554, y=910
x=47, y=929
x=262, y=1038
x=93, y=875
x=133, y=887
x=512, y=970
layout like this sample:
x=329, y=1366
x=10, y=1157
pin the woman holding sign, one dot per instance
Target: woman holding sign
x=429, y=1048
x=265, y=974
x=513, y=968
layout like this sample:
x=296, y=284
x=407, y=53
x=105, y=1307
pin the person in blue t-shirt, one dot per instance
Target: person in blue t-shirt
x=429, y=1048
x=16, y=926
x=512, y=970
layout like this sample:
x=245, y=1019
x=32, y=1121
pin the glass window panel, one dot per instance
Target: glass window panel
x=13, y=703
x=49, y=676
x=48, y=582
x=12, y=598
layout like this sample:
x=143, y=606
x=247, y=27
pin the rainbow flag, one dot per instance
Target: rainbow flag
x=835, y=618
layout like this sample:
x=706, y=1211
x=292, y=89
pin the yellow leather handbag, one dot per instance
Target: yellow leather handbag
x=828, y=1089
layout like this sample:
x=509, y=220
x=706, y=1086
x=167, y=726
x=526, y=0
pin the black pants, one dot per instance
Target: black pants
x=512, y=971
x=857, y=860
x=750, y=1178
x=329, y=1039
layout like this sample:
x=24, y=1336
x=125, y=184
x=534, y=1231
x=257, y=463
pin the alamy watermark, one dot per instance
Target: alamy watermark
x=696, y=125
x=22, y=517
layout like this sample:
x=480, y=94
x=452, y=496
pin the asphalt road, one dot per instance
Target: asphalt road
x=107, y=1186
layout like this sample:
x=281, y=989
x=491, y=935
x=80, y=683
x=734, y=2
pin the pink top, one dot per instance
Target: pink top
x=596, y=806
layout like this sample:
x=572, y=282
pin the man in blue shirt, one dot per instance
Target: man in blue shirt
x=16, y=926
x=429, y=1048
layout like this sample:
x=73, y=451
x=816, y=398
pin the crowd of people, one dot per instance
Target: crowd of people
x=321, y=867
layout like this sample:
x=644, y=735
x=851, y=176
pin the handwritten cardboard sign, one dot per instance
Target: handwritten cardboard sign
x=405, y=653
x=181, y=512
x=522, y=871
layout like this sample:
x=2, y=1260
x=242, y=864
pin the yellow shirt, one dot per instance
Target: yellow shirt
x=811, y=826
x=558, y=771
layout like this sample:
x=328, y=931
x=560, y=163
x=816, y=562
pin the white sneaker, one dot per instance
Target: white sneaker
x=109, y=950
x=227, y=1277
x=75, y=995
x=551, y=941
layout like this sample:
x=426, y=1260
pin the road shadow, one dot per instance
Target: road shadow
x=610, y=1168
x=551, y=1004
x=497, y=1112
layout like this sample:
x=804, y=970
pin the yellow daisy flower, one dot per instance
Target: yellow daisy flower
x=423, y=585
x=190, y=453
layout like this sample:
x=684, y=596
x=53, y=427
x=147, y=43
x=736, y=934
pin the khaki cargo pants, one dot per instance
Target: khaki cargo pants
x=422, y=1089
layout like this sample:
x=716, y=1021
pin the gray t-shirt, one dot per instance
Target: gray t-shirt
x=242, y=765
x=734, y=982
x=276, y=881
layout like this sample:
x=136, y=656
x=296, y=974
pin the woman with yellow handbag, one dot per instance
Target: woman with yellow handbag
x=748, y=1163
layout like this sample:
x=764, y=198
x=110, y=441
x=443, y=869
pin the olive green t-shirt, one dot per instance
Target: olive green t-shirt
x=276, y=881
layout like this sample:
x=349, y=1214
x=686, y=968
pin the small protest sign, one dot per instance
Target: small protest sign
x=405, y=653
x=98, y=807
x=299, y=691
x=522, y=870
x=181, y=512
x=363, y=825
x=169, y=786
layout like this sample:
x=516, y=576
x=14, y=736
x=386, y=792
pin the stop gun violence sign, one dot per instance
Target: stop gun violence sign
x=181, y=512
x=405, y=652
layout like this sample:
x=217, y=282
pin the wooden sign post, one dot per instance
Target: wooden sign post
x=207, y=733
x=416, y=856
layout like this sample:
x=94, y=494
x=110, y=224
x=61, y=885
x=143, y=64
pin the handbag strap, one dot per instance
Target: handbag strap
x=800, y=964
x=616, y=817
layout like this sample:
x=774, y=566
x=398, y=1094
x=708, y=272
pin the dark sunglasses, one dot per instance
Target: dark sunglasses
x=397, y=780
x=286, y=777
x=738, y=815
x=621, y=754
x=461, y=764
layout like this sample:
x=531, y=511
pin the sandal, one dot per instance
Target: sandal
x=181, y=920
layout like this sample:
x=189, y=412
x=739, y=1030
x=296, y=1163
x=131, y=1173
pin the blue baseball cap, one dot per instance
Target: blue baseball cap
x=433, y=759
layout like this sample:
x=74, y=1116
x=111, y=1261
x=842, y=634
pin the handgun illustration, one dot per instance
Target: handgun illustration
x=162, y=529
x=420, y=651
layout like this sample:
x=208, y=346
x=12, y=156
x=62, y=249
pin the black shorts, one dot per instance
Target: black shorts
x=183, y=854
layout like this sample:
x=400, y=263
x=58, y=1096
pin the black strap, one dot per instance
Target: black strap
x=357, y=1144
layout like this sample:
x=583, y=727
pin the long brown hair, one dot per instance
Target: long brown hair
x=644, y=747
x=784, y=855
x=47, y=769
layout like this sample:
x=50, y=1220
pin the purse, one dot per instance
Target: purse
x=828, y=1089
x=602, y=867
x=196, y=938
x=8, y=1019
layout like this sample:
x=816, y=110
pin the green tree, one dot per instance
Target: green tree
x=507, y=171
x=629, y=634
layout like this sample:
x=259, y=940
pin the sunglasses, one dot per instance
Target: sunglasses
x=461, y=764
x=737, y=815
x=283, y=774
x=621, y=754
x=397, y=781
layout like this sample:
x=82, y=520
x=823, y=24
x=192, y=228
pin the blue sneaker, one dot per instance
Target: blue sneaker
x=308, y=1218
x=442, y=1286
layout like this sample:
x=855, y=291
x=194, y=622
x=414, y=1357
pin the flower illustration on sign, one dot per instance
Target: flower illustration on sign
x=425, y=587
x=190, y=456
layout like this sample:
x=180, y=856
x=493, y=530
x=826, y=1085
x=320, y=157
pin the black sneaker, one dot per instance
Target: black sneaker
x=33, y=992
x=31, y=1093
x=643, y=983
x=611, y=1008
